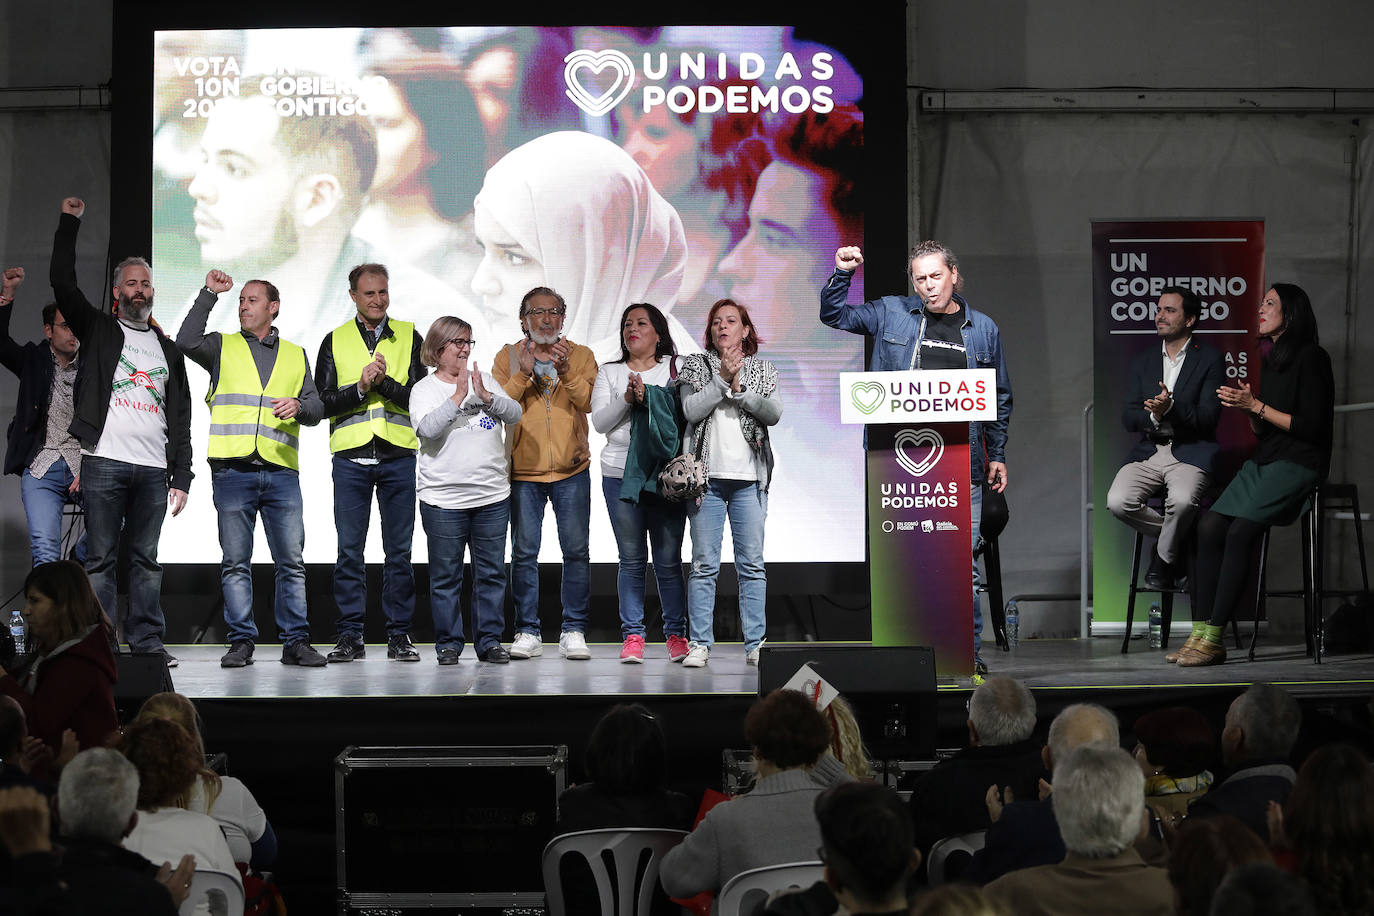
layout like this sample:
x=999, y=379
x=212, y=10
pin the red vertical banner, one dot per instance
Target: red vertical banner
x=920, y=544
x=1133, y=261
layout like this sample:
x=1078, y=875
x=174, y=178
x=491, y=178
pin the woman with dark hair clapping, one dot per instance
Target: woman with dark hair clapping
x=1292, y=416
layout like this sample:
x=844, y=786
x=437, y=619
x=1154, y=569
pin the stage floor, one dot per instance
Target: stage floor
x=1069, y=665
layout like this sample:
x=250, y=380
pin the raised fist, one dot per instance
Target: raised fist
x=848, y=257
x=75, y=206
x=217, y=281
x=11, y=280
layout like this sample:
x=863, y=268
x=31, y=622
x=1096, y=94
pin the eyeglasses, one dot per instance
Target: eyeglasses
x=540, y=313
x=460, y=342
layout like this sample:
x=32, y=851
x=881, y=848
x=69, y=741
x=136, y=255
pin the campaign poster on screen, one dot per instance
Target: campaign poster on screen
x=1133, y=261
x=675, y=166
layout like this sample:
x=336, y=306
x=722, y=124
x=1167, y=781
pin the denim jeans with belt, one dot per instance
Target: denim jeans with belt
x=571, y=499
x=394, y=481
x=132, y=499
x=240, y=496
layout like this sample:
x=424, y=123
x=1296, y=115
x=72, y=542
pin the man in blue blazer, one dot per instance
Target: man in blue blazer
x=1173, y=405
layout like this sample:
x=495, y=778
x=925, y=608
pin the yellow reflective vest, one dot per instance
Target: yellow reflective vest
x=241, y=420
x=375, y=416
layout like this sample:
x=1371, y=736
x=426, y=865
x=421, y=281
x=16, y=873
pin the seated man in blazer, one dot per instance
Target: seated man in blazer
x=1173, y=405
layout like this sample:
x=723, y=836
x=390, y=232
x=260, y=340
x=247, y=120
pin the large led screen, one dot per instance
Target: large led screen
x=675, y=166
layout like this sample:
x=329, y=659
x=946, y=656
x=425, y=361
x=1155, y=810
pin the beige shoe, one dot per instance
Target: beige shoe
x=1189, y=643
x=1204, y=652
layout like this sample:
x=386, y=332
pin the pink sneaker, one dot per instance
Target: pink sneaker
x=632, y=653
x=677, y=648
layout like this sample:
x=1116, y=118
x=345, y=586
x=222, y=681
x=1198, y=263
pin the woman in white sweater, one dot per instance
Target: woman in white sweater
x=646, y=359
x=463, y=482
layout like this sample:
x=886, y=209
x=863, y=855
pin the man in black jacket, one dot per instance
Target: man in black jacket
x=1173, y=405
x=132, y=414
x=40, y=449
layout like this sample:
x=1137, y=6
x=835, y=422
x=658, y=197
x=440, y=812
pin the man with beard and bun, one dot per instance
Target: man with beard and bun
x=132, y=415
x=1173, y=405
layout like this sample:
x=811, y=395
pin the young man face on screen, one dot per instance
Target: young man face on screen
x=779, y=266
x=244, y=189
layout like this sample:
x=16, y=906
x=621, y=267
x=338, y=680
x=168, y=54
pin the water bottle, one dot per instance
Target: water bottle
x=1156, y=626
x=19, y=631
x=1013, y=625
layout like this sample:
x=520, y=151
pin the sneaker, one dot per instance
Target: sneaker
x=401, y=648
x=168, y=657
x=573, y=645
x=347, y=648
x=677, y=648
x=752, y=656
x=494, y=655
x=240, y=654
x=632, y=652
x=697, y=656
x=980, y=667
x=448, y=655
x=301, y=653
x=526, y=645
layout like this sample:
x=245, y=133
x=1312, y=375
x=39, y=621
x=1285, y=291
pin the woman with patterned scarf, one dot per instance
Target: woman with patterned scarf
x=730, y=397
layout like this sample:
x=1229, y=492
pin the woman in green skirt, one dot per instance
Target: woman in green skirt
x=1291, y=415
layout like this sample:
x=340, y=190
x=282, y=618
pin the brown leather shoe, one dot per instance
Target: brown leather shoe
x=1189, y=643
x=1204, y=652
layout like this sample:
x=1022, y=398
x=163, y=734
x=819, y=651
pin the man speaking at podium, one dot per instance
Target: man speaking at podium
x=935, y=329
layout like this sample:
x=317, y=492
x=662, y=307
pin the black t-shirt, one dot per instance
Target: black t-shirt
x=942, y=345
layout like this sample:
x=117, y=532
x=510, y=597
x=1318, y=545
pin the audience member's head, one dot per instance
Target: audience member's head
x=1176, y=741
x=868, y=845
x=60, y=604
x=1262, y=724
x=166, y=759
x=786, y=730
x=96, y=796
x=1001, y=711
x=1205, y=851
x=846, y=741
x=1080, y=725
x=1329, y=822
x=1261, y=890
x=1099, y=801
x=179, y=709
x=627, y=752
x=957, y=900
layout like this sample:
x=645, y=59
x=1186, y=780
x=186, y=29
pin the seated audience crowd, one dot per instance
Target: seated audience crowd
x=1079, y=826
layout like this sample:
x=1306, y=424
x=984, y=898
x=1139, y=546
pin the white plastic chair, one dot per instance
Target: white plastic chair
x=634, y=891
x=747, y=893
x=213, y=893
x=962, y=844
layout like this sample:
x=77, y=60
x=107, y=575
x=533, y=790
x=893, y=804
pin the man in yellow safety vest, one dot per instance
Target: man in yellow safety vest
x=365, y=370
x=260, y=395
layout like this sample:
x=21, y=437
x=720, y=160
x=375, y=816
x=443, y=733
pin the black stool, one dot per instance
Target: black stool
x=1326, y=497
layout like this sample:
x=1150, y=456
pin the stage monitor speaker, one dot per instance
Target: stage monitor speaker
x=891, y=688
x=140, y=675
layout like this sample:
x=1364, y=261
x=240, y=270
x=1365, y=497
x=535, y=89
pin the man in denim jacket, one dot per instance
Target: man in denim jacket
x=936, y=329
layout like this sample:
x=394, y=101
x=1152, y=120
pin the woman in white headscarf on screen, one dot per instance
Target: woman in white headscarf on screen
x=574, y=212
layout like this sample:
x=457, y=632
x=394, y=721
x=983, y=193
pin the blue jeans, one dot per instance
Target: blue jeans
x=450, y=532
x=746, y=505
x=239, y=496
x=571, y=499
x=130, y=498
x=44, y=499
x=975, y=509
x=394, y=481
x=663, y=523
